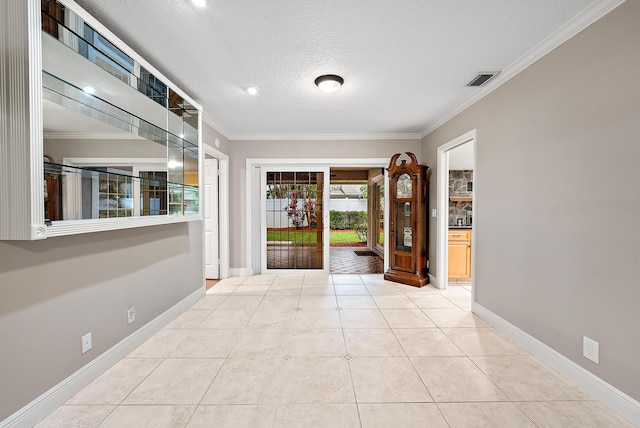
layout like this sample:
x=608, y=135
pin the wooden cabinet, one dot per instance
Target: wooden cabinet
x=408, y=227
x=459, y=253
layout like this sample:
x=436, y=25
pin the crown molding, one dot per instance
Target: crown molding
x=325, y=137
x=577, y=24
x=209, y=120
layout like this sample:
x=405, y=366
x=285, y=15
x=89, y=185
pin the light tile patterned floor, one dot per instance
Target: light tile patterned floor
x=344, y=260
x=330, y=351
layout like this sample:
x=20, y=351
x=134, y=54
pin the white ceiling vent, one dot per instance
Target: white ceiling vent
x=482, y=78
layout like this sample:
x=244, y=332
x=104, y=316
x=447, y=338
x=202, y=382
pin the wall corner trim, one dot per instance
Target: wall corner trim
x=617, y=400
x=46, y=403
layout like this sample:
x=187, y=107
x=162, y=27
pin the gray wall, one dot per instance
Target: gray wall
x=240, y=151
x=565, y=264
x=54, y=291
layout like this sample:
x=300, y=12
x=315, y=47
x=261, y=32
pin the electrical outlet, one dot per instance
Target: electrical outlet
x=86, y=342
x=131, y=314
x=590, y=349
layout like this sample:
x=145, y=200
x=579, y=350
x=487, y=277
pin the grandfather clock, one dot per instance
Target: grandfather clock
x=408, y=227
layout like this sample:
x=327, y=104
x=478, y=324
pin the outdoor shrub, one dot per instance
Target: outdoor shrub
x=340, y=220
x=361, y=231
x=337, y=220
x=356, y=218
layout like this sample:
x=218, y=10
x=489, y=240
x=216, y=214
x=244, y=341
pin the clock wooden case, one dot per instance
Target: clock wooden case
x=408, y=227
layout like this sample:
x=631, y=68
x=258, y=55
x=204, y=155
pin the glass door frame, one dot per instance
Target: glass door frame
x=378, y=213
x=325, y=217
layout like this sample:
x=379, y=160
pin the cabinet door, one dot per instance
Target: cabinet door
x=458, y=262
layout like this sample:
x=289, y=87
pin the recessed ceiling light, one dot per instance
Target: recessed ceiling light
x=181, y=135
x=199, y=3
x=89, y=90
x=329, y=82
x=252, y=90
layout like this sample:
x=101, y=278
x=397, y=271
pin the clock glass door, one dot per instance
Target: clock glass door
x=404, y=235
x=404, y=224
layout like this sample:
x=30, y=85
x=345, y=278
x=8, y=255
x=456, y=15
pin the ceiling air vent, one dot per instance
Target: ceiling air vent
x=483, y=78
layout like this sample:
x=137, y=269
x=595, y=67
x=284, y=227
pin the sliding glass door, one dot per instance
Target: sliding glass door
x=294, y=222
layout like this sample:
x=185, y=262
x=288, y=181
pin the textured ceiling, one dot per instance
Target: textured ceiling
x=405, y=62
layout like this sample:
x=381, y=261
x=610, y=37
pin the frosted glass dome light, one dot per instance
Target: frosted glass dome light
x=329, y=82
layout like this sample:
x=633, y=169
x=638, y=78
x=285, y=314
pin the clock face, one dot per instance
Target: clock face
x=403, y=186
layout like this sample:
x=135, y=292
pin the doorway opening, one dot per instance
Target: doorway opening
x=456, y=212
x=215, y=212
x=257, y=224
x=355, y=246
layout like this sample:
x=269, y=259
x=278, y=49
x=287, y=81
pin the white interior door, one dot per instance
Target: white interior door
x=211, y=226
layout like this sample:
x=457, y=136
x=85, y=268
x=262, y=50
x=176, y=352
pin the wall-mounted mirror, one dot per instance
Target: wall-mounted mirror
x=118, y=140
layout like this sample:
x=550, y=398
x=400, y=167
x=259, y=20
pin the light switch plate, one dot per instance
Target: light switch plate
x=591, y=349
x=434, y=212
x=86, y=342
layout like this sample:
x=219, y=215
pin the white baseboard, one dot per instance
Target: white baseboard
x=433, y=280
x=240, y=272
x=603, y=391
x=46, y=403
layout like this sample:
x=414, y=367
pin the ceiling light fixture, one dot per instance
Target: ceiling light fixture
x=252, y=90
x=329, y=82
x=89, y=90
x=199, y=3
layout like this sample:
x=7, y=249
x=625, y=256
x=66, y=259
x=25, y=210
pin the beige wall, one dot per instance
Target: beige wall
x=139, y=148
x=240, y=151
x=209, y=135
x=557, y=248
x=56, y=290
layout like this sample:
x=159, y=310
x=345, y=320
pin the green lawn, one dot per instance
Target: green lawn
x=343, y=237
x=300, y=236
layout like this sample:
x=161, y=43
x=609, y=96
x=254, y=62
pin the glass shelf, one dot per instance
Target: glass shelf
x=74, y=193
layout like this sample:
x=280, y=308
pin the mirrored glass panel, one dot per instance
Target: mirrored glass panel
x=106, y=114
x=112, y=191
